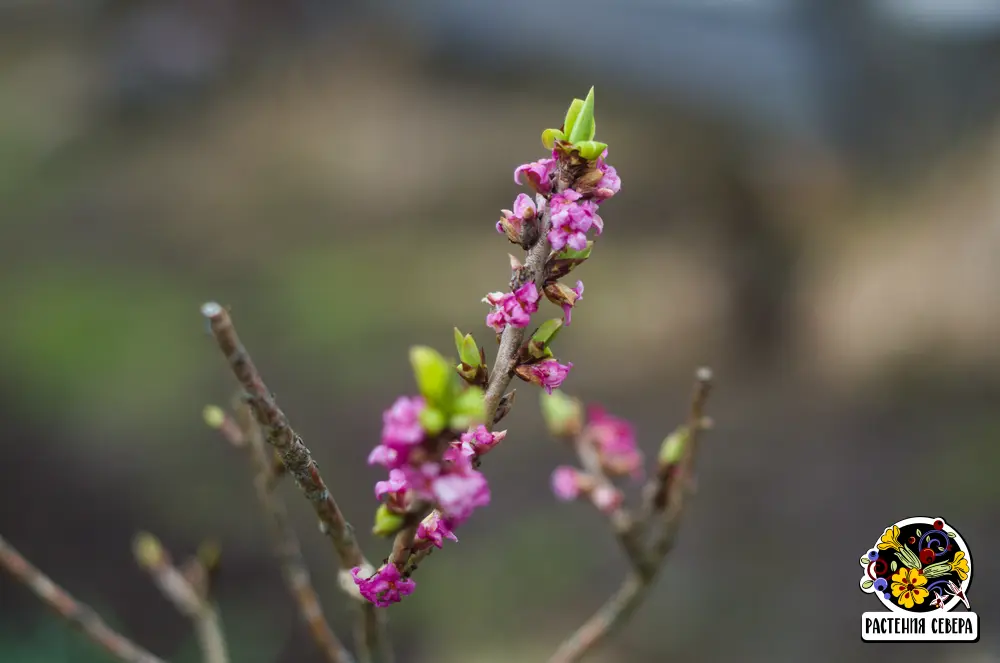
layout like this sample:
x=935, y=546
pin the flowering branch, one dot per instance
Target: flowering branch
x=78, y=614
x=434, y=483
x=299, y=462
x=189, y=594
x=664, y=500
x=246, y=434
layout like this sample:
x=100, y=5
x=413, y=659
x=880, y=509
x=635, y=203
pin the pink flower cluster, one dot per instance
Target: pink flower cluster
x=384, y=588
x=451, y=484
x=573, y=212
x=614, y=440
x=512, y=308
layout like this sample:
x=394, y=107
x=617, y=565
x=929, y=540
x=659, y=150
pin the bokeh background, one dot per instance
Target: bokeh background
x=809, y=205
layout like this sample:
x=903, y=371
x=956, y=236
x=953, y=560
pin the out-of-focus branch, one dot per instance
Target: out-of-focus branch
x=190, y=599
x=665, y=498
x=246, y=434
x=78, y=614
x=299, y=463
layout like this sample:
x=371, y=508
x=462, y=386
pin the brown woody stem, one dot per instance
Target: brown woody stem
x=78, y=614
x=186, y=597
x=299, y=463
x=287, y=548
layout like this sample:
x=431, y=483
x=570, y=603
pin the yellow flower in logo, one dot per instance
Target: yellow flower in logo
x=960, y=565
x=890, y=539
x=908, y=587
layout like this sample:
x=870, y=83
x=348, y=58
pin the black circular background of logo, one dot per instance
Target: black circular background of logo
x=924, y=540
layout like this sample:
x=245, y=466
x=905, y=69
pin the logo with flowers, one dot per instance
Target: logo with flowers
x=918, y=565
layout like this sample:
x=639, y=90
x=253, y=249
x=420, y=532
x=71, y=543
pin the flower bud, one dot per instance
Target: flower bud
x=563, y=414
x=538, y=346
x=672, y=449
x=148, y=550
x=564, y=262
x=387, y=523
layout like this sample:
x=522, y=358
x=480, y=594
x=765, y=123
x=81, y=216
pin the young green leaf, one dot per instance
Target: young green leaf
x=433, y=420
x=563, y=414
x=469, y=352
x=584, y=128
x=434, y=375
x=590, y=149
x=571, y=114
x=550, y=136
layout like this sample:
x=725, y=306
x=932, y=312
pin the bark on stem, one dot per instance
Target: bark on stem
x=513, y=337
x=286, y=544
x=76, y=613
x=299, y=463
x=188, y=600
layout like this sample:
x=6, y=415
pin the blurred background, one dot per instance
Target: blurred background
x=809, y=205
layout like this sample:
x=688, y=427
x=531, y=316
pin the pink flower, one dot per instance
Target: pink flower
x=571, y=219
x=538, y=173
x=548, y=374
x=610, y=183
x=384, y=588
x=383, y=455
x=397, y=484
x=459, y=494
x=524, y=210
x=512, y=308
x=568, y=307
x=435, y=529
x=401, y=427
x=480, y=441
x=615, y=440
x=566, y=483
x=408, y=481
x=606, y=497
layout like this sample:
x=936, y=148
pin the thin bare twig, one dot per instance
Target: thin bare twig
x=622, y=523
x=300, y=464
x=247, y=435
x=674, y=483
x=78, y=614
x=186, y=597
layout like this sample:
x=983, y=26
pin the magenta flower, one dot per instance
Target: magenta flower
x=548, y=374
x=538, y=173
x=567, y=306
x=512, y=222
x=401, y=427
x=512, y=308
x=610, y=183
x=397, y=484
x=383, y=455
x=615, y=440
x=566, y=483
x=571, y=219
x=459, y=494
x=480, y=441
x=435, y=529
x=384, y=588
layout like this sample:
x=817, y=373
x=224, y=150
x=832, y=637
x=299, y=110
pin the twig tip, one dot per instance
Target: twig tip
x=211, y=309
